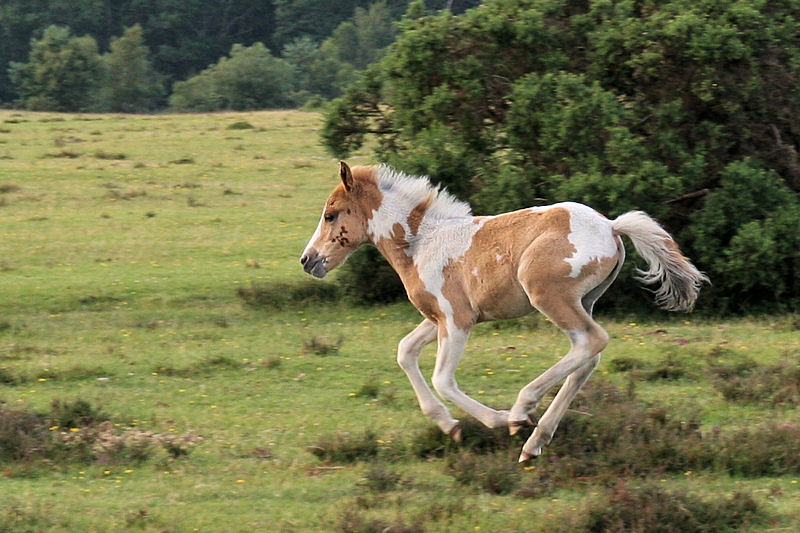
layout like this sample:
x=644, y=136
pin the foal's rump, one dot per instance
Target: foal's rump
x=519, y=259
x=568, y=250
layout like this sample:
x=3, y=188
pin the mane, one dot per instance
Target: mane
x=416, y=190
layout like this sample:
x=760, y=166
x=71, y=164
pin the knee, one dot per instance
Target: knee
x=407, y=354
x=444, y=385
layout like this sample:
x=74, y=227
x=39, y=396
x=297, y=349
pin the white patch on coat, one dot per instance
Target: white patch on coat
x=475, y=272
x=444, y=234
x=439, y=245
x=498, y=258
x=590, y=234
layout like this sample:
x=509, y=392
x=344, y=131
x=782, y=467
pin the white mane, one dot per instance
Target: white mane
x=414, y=190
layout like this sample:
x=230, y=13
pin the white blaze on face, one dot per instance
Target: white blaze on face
x=590, y=234
x=315, y=236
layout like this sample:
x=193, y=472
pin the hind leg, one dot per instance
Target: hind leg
x=548, y=424
x=588, y=339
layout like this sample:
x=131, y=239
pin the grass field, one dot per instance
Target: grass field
x=128, y=247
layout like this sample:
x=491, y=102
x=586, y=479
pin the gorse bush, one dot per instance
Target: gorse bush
x=681, y=109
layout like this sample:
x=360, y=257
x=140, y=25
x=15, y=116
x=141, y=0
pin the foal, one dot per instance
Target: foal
x=460, y=269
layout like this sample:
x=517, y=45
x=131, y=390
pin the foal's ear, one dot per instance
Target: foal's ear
x=347, y=176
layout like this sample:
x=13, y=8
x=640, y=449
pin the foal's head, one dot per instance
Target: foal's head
x=343, y=226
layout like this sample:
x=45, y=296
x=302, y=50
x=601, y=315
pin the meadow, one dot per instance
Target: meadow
x=165, y=364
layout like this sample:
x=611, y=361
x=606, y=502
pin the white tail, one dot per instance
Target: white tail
x=678, y=279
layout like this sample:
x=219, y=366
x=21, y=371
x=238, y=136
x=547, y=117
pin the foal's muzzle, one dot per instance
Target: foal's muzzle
x=314, y=264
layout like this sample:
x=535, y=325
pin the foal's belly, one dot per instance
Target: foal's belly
x=502, y=302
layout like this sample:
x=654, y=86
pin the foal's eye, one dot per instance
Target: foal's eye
x=330, y=217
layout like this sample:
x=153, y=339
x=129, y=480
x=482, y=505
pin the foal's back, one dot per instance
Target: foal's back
x=516, y=258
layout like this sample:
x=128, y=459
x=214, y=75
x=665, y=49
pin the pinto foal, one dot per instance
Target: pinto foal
x=460, y=269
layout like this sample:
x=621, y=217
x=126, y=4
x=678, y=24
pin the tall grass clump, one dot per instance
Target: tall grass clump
x=344, y=447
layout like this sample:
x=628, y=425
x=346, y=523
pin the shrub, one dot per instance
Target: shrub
x=240, y=125
x=322, y=346
x=23, y=435
x=367, y=278
x=379, y=478
x=250, y=78
x=746, y=381
x=679, y=108
x=655, y=510
x=76, y=431
x=768, y=449
x=495, y=473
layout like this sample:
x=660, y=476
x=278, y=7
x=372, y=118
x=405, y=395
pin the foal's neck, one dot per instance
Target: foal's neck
x=406, y=233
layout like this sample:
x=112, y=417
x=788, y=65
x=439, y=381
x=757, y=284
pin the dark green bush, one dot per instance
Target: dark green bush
x=250, y=78
x=683, y=109
x=367, y=278
x=343, y=447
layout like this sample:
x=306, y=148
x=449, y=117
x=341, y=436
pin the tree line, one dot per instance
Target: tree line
x=134, y=55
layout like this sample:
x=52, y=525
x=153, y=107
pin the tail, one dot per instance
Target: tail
x=678, y=279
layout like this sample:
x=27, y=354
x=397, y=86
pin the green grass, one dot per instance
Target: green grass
x=148, y=266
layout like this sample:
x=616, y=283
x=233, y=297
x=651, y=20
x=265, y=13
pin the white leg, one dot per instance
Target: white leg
x=451, y=350
x=543, y=433
x=585, y=346
x=408, y=352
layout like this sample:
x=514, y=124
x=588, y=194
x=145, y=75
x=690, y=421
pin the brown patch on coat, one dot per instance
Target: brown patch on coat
x=418, y=213
x=464, y=315
x=394, y=250
x=504, y=252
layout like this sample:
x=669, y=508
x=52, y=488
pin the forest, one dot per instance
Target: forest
x=128, y=55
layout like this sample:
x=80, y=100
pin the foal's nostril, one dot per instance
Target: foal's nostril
x=304, y=260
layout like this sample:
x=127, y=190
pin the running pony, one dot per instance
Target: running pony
x=459, y=269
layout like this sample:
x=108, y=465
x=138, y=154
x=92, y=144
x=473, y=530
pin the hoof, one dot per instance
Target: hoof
x=515, y=425
x=524, y=456
x=455, y=433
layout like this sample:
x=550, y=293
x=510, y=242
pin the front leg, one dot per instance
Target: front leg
x=408, y=352
x=452, y=342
